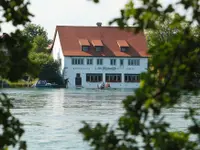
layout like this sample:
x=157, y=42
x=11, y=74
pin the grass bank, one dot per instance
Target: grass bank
x=18, y=84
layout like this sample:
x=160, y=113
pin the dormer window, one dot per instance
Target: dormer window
x=85, y=45
x=85, y=48
x=98, y=45
x=124, y=49
x=123, y=45
x=99, y=48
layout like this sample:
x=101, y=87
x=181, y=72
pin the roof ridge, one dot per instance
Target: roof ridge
x=84, y=26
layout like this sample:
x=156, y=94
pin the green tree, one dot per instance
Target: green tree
x=37, y=60
x=38, y=36
x=40, y=44
x=32, y=30
x=13, y=53
x=44, y=67
x=164, y=31
x=51, y=72
x=170, y=75
x=39, y=54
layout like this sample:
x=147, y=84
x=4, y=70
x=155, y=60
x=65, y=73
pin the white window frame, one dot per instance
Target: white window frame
x=99, y=61
x=121, y=60
x=77, y=61
x=112, y=62
x=89, y=61
x=113, y=77
x=94, y=77
x=132, y=78
x=133, y=62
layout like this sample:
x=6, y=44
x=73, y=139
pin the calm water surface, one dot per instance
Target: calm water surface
x=52, y=117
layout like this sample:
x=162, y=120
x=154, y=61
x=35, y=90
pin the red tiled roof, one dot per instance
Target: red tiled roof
x=122, y=43
x=70, y=36
x=84, y=42
x=97, y=43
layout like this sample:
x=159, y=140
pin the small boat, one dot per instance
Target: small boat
x=45, y=84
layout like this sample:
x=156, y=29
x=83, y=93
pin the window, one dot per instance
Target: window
x=112, y=61
x=121, y=62
x=85, y=48
x=124, y=46
x=89, y=61
x=124, y=49
x=134, y=62
x=131, y=78
x=77, y=61
x=113, y=77
x=99, y=61
x=98, y=45
x=99, y=48
x=94, y=77
x=85, y=45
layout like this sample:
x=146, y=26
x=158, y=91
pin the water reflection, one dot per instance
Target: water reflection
x=52, y=117
x=57, y=102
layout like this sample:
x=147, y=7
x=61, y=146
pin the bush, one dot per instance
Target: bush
x=51, y=72
x=18, y=84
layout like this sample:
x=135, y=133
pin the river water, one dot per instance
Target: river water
x=52, y=117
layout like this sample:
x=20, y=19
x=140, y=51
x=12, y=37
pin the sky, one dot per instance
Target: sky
x=49, y=13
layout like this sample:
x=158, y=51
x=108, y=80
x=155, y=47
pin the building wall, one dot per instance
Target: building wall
x=57, y=52
x=70, y=71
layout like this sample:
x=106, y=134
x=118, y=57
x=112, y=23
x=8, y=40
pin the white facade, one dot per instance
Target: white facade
x=70, y=71
x=70, y=68
x=57, y=52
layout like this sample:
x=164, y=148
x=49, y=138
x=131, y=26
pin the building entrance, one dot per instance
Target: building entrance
x=78, y=80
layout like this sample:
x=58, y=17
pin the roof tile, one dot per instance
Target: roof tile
x=70, y=36
x=122, y=43
x=84, y=42
x=97, y=43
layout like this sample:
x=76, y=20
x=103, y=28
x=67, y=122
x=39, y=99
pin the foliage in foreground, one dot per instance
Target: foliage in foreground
x=13, y=64
x=172, y=69
x=11, y=128
x=14, y=49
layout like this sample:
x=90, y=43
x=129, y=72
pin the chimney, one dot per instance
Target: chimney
x=99, y=24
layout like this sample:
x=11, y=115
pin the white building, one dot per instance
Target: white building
x=92, y=55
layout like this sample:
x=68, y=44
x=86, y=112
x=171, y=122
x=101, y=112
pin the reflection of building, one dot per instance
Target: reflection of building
x=91, y=55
